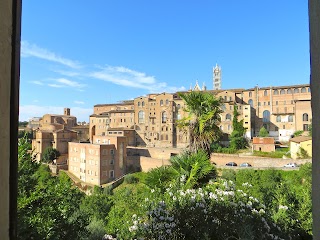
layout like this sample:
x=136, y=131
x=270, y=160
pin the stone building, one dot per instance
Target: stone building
x=152, y=119
x=98, y=163
x=55, y=131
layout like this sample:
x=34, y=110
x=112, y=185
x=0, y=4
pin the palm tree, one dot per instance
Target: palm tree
x=193, y=169
x=202, y=121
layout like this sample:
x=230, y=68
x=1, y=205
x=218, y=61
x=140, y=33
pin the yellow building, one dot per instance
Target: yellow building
x=298, y=143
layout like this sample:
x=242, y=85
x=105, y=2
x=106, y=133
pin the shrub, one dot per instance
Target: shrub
x=129, y=179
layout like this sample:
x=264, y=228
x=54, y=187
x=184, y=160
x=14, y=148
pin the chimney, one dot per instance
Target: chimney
x=67, y=111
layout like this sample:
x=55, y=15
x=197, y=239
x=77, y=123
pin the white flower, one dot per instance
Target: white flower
x=152, y=190
x=283, y=207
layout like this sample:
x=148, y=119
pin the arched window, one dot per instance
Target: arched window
x=278, y=119
x=266, y=116
x=282, y=91
x=250, y=94
x=290, y=118
x=228, y=116
x=250, y=102
x=141, y=117
x=265, y=93
x=138, y=104
x=289, y=91
x=167, y=102
x=142, y=104
x=230, y=98
x=276, y=92
x=305, y=117
x=308, y=89
x=164, y=117
x=161, y=102
x=178, y=106
x=225, y=98
x=296, y=90
x=223, y=107
x=303, y=90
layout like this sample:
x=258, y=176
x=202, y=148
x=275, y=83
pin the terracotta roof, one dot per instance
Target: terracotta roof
x=300, y=139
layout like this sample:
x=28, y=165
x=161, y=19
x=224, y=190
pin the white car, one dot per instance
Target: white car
x=291, y=165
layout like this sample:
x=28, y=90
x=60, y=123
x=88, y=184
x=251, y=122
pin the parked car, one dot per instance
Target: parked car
x=245, y=164
x=231, y=164
x=291, y=165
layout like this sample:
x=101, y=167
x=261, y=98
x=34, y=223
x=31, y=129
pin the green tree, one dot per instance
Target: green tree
x=160, y=177
x=263, y=132
x=193, y=169
x=202, y=121
x=50, y=154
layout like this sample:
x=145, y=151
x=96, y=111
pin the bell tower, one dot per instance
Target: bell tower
x=216, y=77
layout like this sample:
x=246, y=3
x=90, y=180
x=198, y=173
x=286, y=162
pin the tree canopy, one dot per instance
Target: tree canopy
x=50, y=154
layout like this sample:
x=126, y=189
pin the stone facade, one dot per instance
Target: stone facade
x=98, y=163
x=153, y=118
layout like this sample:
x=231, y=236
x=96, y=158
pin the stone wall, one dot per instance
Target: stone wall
x=222, y=159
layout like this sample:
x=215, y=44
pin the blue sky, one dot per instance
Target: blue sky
x=80, y=53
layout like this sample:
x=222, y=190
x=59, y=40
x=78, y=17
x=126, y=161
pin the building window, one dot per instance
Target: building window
x=230, y=98
x=276, y=129
x=138, y=104
x=305, y=117
x=305, y=127
x=161, y=102
x=141, y=117
x=278, y=119
x=259, y=103
x=112, y=161
x=308, y=89
x=167, y=102
x=142, y=104
x=282, y=92
x=289, y=91
x=296, y=90
x=178, y=116
x=290, y=118
x=269, y=103
x=284, y=127
x=164, y=117
x=276, y=92
x=265, y=93
x=112, y=151
x=228, y=116
x=266, y=116
x=223, y=107
x=303, y=90
x=250, y=94
x=250, y=102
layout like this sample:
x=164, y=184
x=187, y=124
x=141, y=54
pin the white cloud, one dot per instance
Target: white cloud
x=29, y=111
x=131, y=78
x=70, y=83
x=55, y=85
x=37, y=82
x=32, y=50
x=78, y=102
